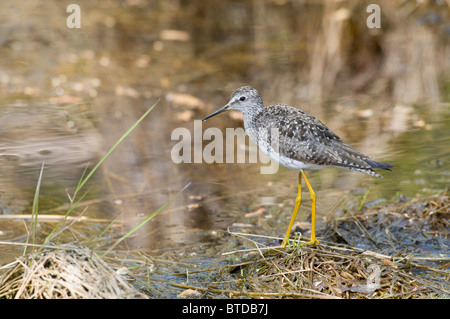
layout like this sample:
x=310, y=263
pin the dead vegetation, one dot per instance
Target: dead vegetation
x=332, y=271
x=395, y=264
x=63, y=272
x=403, y=253
x=416, y=267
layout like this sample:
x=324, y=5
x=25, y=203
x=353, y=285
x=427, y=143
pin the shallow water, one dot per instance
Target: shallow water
x=67, y=95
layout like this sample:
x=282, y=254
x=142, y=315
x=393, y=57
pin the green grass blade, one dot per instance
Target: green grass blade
x=79, y=182
x=51, y=235
x=146, y=220
x=363, y=199
x=84, y=181
x=96, y=238
x=35, y=208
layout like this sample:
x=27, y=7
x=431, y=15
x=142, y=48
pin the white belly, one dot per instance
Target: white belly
x=284, y=160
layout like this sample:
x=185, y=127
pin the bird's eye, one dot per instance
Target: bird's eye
x=242, y=98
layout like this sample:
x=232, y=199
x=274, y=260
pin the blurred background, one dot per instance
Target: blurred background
x=67, y=95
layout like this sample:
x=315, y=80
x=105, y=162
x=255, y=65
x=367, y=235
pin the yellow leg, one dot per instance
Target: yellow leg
x=298, y=201
x=313, y=239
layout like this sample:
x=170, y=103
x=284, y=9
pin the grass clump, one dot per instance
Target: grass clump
x=55, y=270
x=66, y=271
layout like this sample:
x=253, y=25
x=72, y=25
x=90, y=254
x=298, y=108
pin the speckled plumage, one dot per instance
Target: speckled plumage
x=295, y=138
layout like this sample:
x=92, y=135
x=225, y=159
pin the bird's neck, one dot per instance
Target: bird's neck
x=251, y=114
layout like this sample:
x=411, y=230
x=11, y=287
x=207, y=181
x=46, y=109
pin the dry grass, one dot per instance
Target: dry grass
x=333, y=271
x=414, y=270
x=63, y=272
x=414, y=232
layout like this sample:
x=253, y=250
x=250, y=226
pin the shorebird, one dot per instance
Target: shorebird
x=298, y=141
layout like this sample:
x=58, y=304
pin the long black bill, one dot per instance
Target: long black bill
x=221, y=110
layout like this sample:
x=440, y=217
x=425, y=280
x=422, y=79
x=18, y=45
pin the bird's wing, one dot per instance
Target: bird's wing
x=300, y=136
